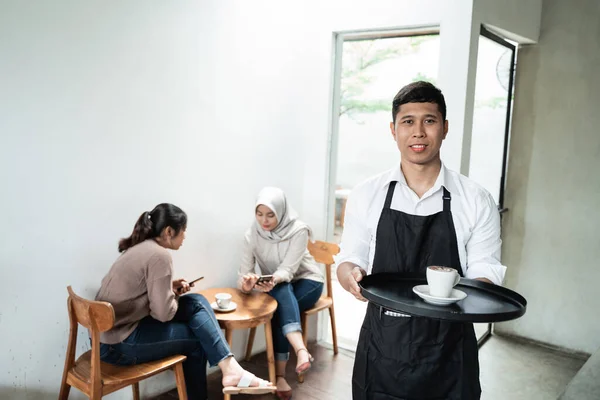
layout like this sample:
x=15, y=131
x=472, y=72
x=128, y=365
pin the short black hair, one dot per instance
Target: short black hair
x=419, y=92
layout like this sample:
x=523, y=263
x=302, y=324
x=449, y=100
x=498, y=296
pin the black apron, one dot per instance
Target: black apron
x=414, y=358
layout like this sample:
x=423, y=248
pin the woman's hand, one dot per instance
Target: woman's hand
x=266, y=286
x=180, y=286
x=248, y=282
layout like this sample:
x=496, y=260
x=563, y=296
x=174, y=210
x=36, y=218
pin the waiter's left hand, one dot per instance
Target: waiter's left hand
x=486, y=280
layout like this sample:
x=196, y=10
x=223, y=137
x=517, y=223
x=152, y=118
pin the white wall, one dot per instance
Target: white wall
x=457, y=68
x=514, y=19
x=517, y=20
x=553, y=191
x=110, y=108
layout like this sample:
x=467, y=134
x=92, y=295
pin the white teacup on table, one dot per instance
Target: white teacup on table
x=223, y=300
x=441, y=280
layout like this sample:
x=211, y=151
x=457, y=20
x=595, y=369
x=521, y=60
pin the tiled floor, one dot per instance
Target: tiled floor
x=510, y=370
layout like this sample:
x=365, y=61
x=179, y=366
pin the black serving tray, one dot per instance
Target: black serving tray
x=485, y=302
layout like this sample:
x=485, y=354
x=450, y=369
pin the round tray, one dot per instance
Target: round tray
x=484, y=303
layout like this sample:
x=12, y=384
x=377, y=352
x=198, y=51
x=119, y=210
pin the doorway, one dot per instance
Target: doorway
x=370, y=67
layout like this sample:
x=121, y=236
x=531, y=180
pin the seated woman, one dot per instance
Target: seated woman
x=152, y=321
x=277, y=242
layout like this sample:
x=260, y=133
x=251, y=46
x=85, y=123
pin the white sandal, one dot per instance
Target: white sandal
x=244, y=387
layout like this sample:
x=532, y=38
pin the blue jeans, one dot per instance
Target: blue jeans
x=292, y=299
x=193, y=332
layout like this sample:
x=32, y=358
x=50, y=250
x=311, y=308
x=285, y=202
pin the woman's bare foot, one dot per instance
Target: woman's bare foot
x=233, y=371
x=282, y=385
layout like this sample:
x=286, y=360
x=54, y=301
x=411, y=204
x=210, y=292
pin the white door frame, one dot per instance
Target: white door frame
x=333, y=137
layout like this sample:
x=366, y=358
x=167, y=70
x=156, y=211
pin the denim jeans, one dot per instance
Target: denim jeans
x=193, y=332
x=292, y=299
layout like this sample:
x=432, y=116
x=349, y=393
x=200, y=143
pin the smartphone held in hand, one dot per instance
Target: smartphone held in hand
x=195, y=280
x=264, y=278
x=191, y=283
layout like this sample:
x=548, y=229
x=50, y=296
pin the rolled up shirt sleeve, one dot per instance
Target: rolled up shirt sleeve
x=484, y=245
x=355, y=244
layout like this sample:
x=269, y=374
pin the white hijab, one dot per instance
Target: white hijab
x=287, y=219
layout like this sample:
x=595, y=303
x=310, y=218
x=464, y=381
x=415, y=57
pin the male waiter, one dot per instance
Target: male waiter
x=415, y=215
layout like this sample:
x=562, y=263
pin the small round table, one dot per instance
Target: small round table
x=252, y=310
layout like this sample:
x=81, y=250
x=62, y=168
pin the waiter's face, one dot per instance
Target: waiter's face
x=419, y=131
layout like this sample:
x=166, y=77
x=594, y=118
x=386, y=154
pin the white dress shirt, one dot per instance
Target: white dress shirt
x=474, y=212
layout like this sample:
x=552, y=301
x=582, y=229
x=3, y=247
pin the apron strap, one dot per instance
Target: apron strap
x=446, y=196
x=390, y=194
x=453, y=246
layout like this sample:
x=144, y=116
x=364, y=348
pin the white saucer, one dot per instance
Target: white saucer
x=232, y=306
x=423, y=292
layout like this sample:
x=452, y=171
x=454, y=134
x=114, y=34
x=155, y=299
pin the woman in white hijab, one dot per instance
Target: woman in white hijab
x=277, y=243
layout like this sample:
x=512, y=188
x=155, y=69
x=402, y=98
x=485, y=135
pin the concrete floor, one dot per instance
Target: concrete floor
x=521, y=371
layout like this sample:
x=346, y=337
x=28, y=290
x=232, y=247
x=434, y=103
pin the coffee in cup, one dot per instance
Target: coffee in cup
x=223, y=300
x=441, y=280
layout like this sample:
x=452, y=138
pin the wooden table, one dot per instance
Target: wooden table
x=252, y=310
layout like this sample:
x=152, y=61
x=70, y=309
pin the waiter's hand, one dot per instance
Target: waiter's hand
x=349, y=275
x=486, y=280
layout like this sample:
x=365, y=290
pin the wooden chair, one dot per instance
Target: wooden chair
x=323, y=253
x=94, y=377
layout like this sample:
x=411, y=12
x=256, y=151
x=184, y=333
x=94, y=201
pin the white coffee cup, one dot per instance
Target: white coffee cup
x=441, y=280
x=223, y=300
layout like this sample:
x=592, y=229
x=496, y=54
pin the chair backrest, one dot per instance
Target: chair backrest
x=93, y=315
x=97, y=316
x=323, y=253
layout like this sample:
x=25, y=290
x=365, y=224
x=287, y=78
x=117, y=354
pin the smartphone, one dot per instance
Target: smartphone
x=264, y=278
x=195, y=280
x=191, y=282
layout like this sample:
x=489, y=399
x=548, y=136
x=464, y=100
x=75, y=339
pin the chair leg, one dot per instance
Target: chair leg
x=180, y=379
x=136, y=391
x=270, y=353
x=96, y=395
x=333, y=330
x=304, y=329
x=303, y=323
x=95, y=391
x=250, y=343
x=64, y=390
